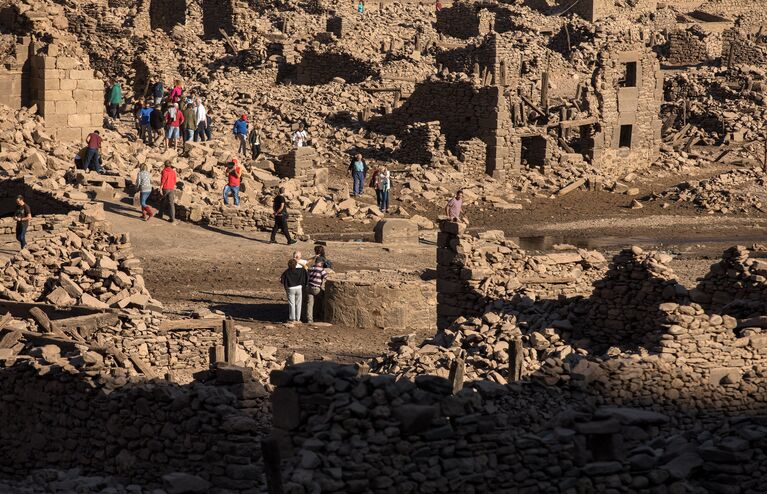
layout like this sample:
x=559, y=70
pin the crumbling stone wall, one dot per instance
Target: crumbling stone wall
x=136, y=429
x=474, y=272
x=14, y=77
x=217, y=15
x=166, y=14
x=687, y=47
x=322, y=67
x=461, y=20
x=473, y=157
x=629, y=89
x=743, y=49
x=737, y=277
x=594, y=10
x=421, y=143
x=257, y=218
x=386, y=299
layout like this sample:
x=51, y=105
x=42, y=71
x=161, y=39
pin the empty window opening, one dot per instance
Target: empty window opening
x=629, y=78
x=626, y=134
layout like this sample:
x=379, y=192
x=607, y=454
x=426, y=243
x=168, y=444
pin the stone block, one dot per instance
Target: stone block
x=81, y=94
x=50, y=74
x=81, y=74
x=86, y=106
x=69, y=134
x=90, y=84
x=67, y=84
x=57, y=95
x=66, y=63
x=396, y=231
x=79, y=120
x=66, y=107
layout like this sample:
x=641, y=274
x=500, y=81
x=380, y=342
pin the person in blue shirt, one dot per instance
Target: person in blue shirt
x=145, y=122
x=240, y=131
x=358, y=169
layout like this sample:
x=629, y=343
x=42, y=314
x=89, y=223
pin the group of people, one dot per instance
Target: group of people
x=304, y=283
x=168, y=180
x=380, y=181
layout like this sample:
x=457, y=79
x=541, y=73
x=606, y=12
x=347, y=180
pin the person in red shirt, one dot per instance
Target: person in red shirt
x=94, y=147
x=173, y=120
x=234, y=176
x=168, y=181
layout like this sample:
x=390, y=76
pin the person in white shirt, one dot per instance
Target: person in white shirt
x=201, y=118
x=300, y=137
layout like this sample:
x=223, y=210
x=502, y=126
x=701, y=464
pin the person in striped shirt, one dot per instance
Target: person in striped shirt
x=317, y=276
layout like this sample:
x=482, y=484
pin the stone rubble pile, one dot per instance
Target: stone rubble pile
x=739, y=279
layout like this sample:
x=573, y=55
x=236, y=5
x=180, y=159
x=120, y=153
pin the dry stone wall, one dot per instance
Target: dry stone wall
x=205, y=433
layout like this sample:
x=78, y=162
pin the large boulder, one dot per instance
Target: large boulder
x=396, y=231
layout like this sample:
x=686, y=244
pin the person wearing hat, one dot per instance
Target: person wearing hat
x=241, y=132
x=234, y=175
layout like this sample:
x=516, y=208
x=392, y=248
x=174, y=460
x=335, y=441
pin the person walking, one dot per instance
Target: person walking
x=201, y=117
x=145, y=123
x=294, y=280
x=240, y=132
x=300, y=137
x=234, y=175
x=158, y=92
x=22, y=216
x=144, y=187
x=358, y=169
x=453, y=207
x=157, y=121
x=254, y=139
x=94, y=147
x=315, y=283
x=173, y=120
x=168, y=181
x=190, y=122
x=115, y=100
x=361, y=6
x=280, y=210
x=383, y=184
x=176, y=92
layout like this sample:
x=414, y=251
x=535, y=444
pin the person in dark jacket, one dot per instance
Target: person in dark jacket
x=280, y=208
x=158, y=92
x=294, y=280
x=359, y=169
x=240, y=132
x=319, y=253
x=157, y=121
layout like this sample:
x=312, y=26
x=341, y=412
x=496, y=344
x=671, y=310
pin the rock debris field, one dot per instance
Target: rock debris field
x=593, y=321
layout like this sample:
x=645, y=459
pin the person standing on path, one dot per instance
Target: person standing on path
x=280, y=209
x=233, y=177
x=314, y=285
x=358, y=169
x=115, y=100
x=144, y=187
x=374, y=185
x=22, y=216
x=254, y=139
x=94, y=146
x=174, y=118
x=145, y=123
x=240, y=131
x=157, y=121
x=294, y=280
x=175, y=93
x=453, y=207
x=300, y=137
x=168, y=180
x=201, y=117
x=319, y=251
x=190, y=122
x=383, y=184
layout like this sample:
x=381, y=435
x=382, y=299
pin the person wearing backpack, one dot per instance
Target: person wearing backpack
x=358, y=169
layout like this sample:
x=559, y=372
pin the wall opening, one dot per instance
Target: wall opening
x=534, y=151
x=217, y=15
x=165, y=14
x=626, y=134
x=629, y=78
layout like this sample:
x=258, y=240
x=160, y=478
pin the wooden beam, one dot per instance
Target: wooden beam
x=21, y=309
x=9, y=339
x=230, y=341
x=565, y=146
x=532, y=105
x=85, y=325
x=186, y=324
